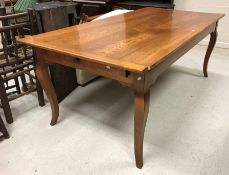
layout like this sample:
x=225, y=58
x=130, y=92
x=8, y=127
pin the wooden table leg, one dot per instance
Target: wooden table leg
x=44, y=79
x=141, y=107
x=209, y=51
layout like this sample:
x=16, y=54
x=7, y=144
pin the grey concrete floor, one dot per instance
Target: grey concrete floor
x=187, y=132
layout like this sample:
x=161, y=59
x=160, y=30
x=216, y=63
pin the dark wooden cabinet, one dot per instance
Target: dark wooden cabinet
x=95, y=7
x=136, y=4
x=52, y=16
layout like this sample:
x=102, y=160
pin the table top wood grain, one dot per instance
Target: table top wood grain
x=133, y=41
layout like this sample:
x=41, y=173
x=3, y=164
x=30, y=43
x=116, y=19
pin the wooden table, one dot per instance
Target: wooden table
x=133, y=48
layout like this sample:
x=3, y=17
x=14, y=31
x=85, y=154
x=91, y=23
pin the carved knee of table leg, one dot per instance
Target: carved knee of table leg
x=141, y=105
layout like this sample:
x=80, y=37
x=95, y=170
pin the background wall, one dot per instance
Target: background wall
x=217, y=6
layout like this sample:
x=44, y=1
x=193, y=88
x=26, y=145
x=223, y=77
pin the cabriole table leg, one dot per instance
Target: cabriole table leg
x=141, y=108
x=43, y=77
x=211, y=46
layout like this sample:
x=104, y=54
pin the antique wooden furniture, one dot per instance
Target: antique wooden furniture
x=133, y=48
x=94, y=7
x=16, y=62
x=85, y=18
x=3, y=129
x=137, y=4
x=52, y=16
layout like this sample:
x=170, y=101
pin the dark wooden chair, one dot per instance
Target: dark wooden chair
x=17, y=76
x=3, y=130
x=86, y=18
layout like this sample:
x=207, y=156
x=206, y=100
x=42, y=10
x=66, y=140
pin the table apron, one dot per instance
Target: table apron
x=154, y=72
x=140, y=82
x=125, y=77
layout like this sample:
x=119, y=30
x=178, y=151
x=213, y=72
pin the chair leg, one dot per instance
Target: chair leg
x=3, y=129
x=17, y=85
x=5, y=104
x=23, y=81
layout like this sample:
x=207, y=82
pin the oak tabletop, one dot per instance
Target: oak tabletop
x=132, y=41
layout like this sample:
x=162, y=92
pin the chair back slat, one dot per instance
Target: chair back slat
x=17, y=67
x=13, y=16
x=14, y=26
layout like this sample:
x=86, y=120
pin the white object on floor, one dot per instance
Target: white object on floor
x=82, y=76
x=112, y=13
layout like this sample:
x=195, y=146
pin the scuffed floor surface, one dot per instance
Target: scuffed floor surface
x=187, y=132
